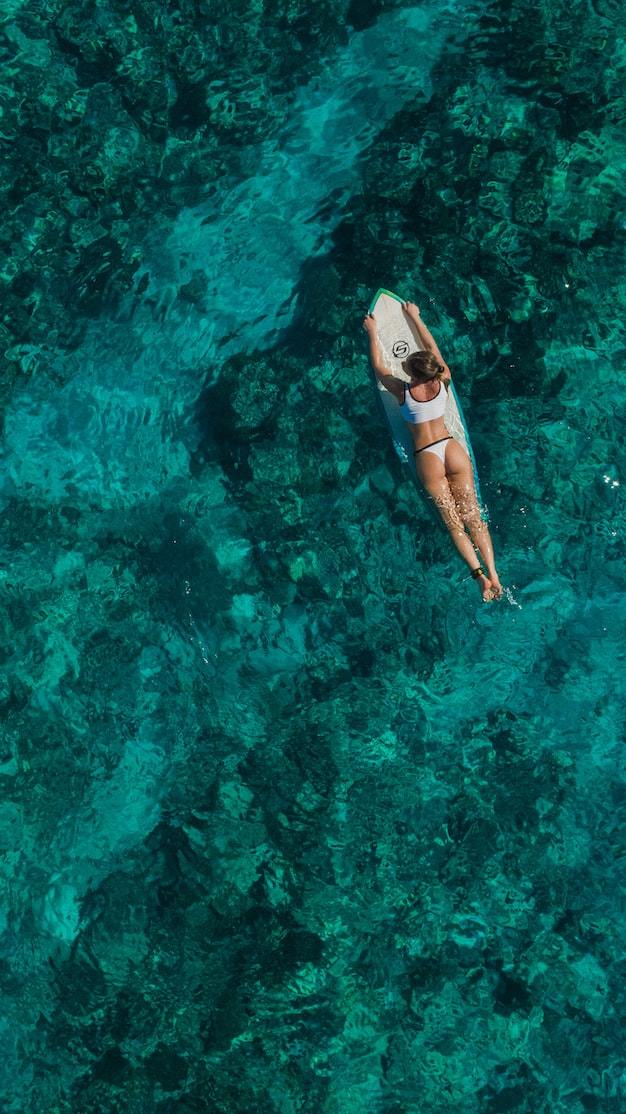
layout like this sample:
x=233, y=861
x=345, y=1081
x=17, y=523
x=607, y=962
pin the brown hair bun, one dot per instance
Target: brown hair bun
x=423, y=366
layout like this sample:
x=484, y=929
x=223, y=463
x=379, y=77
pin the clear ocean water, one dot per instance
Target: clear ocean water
x=291, y=821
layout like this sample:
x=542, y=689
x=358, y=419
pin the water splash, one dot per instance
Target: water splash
x=510, y=598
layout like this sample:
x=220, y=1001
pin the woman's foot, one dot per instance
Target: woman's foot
x=496, y=586
x=495, y=580
x=490, y=586
x=486, y=588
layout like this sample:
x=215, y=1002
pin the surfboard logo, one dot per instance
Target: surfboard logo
x=400, y=349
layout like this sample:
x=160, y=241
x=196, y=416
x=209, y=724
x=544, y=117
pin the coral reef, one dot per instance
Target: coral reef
x=290, y=820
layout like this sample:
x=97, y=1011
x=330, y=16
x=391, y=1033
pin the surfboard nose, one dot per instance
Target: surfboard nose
x=381, y=290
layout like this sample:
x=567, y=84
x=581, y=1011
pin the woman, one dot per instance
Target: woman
x=442, y=464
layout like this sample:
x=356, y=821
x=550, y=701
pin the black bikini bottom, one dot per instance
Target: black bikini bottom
x=437, y=442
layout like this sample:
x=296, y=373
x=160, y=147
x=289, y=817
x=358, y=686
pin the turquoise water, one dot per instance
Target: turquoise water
x=291, y=820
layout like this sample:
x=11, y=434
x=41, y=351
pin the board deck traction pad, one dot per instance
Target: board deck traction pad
x=396, y=342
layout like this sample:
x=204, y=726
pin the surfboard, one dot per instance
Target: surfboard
x=398, y=337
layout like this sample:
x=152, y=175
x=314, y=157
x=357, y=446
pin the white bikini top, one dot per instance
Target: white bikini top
x=416, y=412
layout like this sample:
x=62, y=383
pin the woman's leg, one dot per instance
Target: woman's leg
x=431, y=472
x=461, y=481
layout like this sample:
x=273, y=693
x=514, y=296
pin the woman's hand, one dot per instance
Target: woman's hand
x=411, y=309
x=369, y=324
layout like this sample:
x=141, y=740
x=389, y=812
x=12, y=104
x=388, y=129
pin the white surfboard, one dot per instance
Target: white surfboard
x=398, y=337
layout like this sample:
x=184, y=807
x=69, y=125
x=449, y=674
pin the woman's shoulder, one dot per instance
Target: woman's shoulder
x=391, y=383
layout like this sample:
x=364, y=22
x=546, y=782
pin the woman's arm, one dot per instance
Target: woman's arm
x=383, y=374
x=426, y=337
